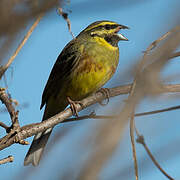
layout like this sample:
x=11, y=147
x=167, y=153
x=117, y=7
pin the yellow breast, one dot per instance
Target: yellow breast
x=94, y=69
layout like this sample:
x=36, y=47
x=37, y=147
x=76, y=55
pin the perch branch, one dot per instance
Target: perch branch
x=32, y=129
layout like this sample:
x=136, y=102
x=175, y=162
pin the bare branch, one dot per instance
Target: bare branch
x=133, y=145
x=32, y=129
x=174, y=55
x=4, y=126
x=65, y=16
x=140, y=140
x=157, y=111
x=7, y=160
x=8, y=103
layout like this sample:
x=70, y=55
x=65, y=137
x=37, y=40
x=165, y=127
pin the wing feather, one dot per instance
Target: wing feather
x=61, y=71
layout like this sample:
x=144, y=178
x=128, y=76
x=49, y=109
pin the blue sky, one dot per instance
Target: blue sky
x=148, y=20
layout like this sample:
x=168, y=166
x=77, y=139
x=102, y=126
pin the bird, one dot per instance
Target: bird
x=85, y=64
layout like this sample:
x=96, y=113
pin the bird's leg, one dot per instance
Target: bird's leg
x=73, y=106
x=106, y=93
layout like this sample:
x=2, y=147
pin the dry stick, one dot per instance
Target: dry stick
x=65, y=16
x=32, y=129
x=5, y=127
x=131, y=126
x=14, y=118
x=94, y=116
x=133, y=144
x=157, y=111
x=5, y=67
x=7, y=160
x=174, y=55
x=20, y=106
x=140, y=140
x=5, y=99
x=154, y=44
x=13, y=114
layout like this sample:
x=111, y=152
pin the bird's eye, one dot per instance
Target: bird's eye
x=107, y=26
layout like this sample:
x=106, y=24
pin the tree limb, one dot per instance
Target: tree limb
x=7, y=160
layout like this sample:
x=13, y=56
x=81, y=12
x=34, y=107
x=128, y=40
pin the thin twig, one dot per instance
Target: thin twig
x=140, y=140
x=94, y=116
x=157, y=111
x=174, y=55
x=65, y=16
x=20, y=106
x=133, y=145
x=8, y=103
x=4, y=125
x=154, y=44
x=7, y=160
x=6, y=66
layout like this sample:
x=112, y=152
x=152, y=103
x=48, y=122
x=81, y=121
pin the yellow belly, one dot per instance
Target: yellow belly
x=88, y=78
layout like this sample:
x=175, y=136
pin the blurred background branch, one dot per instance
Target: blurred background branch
x=15, y=16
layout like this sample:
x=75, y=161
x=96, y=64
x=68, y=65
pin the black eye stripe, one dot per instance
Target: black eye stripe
x=108, y=26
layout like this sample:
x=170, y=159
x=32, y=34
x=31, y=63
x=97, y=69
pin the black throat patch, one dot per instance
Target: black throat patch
x=113, y=40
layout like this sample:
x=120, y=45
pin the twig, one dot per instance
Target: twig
x=15, y=128
x=5, y=127
x=20, y=106
x=5, y=67
x=154, y=44
x=7, y=160
x=133, y=145
x=32, y=129
x=8, y=103
x=94, y=116
x=174, y=55
x=140, y=140
x=65, y=16
x=157, y=111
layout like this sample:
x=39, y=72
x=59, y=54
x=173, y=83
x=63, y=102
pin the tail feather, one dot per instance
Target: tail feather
x=40, y=140
x=37, y=147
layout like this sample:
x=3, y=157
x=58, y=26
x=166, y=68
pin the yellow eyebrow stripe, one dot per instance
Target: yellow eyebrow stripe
x=100, y=24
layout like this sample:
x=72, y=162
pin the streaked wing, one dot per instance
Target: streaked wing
x=61, y=70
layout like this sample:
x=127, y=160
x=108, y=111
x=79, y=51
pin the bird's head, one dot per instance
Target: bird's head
x=108, y=30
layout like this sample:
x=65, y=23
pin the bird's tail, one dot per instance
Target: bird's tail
x=40, y=140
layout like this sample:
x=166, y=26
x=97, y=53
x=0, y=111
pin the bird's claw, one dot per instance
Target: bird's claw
x=106, y=93
x=73, y=106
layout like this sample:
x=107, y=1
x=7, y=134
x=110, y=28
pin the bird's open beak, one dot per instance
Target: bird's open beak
x=121, y=37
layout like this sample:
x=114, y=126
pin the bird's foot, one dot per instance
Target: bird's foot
x=106, y=93
x=73, y=106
